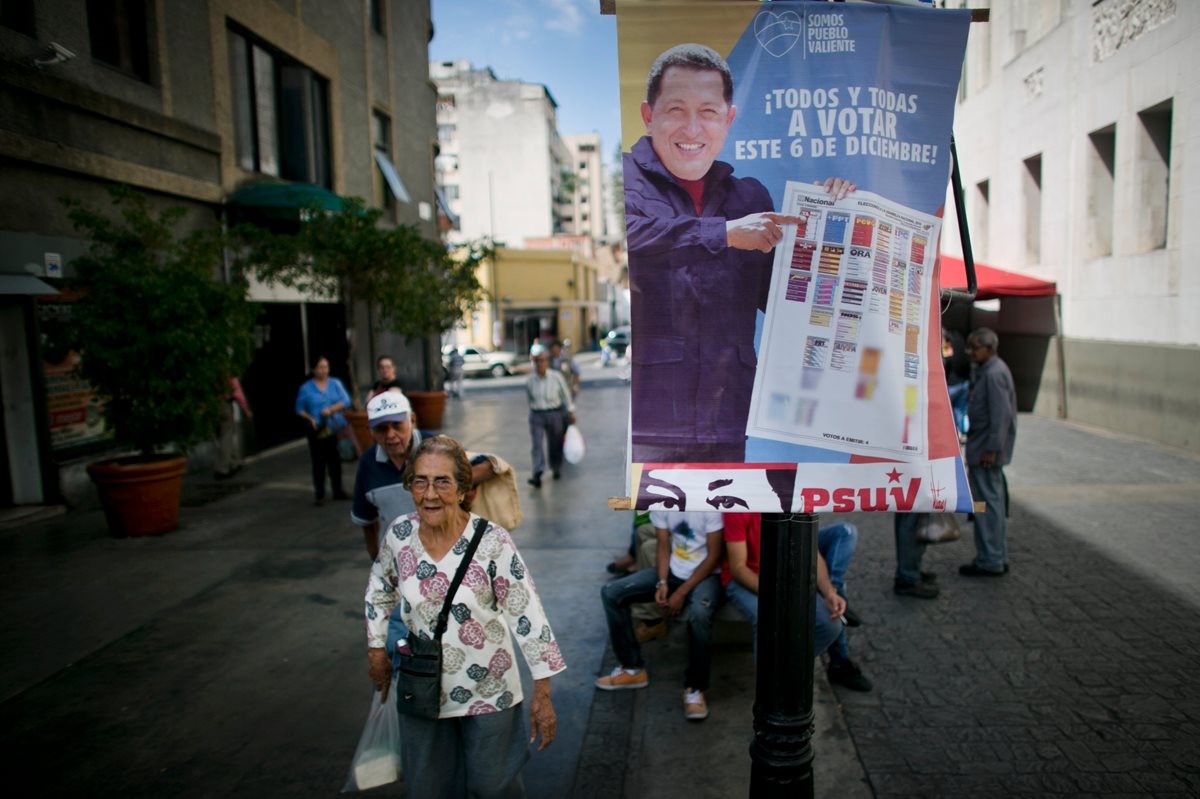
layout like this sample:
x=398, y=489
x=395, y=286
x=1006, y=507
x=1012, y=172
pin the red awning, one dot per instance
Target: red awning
x=993, y=282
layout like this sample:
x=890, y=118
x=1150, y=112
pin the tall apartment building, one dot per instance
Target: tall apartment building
x=190, y=101
x=1080, y=165
x=501, y=161
x=586, y=215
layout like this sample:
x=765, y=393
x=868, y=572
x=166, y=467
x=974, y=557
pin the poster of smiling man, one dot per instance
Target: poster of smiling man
x=785, y=174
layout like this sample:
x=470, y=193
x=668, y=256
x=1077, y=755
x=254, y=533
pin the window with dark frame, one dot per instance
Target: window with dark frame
x=280, y=112
x=117, y=35
x=377, y=13
x=381, y=138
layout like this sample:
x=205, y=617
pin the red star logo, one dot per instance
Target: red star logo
x=893, y=476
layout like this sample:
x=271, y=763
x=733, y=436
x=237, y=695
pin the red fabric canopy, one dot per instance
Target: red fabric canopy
x=993, y=282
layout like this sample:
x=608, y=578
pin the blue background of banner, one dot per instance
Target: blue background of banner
x=905, y=51
x=902, y=50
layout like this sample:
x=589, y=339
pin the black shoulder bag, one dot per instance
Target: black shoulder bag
x=419, y=675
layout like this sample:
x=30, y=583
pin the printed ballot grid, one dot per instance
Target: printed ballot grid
x=852, y=283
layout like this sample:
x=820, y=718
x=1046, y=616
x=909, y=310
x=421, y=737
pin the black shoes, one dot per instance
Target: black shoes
x=921, y=590
x=971, y=570
x=847, y=675
x=536, y=480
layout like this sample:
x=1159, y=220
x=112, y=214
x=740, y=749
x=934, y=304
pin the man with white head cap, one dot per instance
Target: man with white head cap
x=379, y=493
x=379, y=485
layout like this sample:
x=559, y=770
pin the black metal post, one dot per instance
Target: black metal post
x=781, y=754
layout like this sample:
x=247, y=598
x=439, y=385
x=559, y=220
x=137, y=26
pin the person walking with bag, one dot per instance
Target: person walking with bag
x=464, y=593
x=551, y=410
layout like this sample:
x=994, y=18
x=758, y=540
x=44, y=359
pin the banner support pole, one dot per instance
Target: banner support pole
x=781, y=754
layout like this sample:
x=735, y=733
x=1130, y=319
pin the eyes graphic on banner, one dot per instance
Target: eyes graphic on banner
x=720, y=489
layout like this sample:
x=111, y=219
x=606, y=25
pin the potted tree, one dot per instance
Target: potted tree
x=417, y=286
x=160, y=335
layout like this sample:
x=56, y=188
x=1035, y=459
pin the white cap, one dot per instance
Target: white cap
x=390, y=406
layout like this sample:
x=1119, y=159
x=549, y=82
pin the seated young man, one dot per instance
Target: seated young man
x=835, y=547
x=686, y=575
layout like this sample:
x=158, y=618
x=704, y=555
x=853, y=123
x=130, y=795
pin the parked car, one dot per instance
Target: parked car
x=482, y=361
x=616, y=344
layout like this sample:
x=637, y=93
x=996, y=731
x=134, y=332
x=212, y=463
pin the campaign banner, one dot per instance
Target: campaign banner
x=785, y=174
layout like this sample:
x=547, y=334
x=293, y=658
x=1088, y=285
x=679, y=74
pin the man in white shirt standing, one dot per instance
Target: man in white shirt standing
x=687, y=574
x=551, y=409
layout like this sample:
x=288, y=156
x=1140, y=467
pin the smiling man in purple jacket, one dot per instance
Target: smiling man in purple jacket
x=700, y=249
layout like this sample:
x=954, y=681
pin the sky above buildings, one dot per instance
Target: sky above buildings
x=563, y=44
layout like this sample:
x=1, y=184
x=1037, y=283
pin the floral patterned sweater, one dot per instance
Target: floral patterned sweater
x=497, y=594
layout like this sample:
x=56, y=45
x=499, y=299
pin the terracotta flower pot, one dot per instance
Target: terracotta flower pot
x=429, y=406
x=358, y=423
x=140, y=497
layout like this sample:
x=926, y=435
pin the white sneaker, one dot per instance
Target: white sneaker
x=694, y=706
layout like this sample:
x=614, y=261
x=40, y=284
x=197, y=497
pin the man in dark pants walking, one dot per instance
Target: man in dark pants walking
x=551, y=409
x=992, y=409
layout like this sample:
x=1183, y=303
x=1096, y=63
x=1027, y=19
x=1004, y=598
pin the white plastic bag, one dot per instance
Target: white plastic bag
x=937, y=528
x=573, y=448
x=377, y=759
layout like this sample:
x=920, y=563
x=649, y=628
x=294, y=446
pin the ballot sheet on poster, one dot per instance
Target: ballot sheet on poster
x=845, y=326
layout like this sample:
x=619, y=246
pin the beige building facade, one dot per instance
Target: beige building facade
x=540, y=294
x=1077, y=133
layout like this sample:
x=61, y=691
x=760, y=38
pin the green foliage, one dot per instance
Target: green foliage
x=159, y=333
x=419, y=287
x=618, y=190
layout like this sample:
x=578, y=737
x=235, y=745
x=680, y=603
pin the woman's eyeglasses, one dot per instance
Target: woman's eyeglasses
x=442, y=485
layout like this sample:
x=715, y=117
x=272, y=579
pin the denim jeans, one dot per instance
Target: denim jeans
x=701, y=604
x=836, y=543
x=991, y=528
x=909, y=551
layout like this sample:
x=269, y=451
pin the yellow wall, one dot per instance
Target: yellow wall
x=526, y=279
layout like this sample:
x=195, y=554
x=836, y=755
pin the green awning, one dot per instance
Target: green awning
x=285, y=197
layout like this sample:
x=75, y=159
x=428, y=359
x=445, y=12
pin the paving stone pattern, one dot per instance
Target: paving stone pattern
x=1070, y=676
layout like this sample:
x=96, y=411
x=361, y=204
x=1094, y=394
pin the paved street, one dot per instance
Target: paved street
x=226, y=658
x=1073, y=675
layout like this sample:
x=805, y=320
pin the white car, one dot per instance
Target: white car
x=481, y=361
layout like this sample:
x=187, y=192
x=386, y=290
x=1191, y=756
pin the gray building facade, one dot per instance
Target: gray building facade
x=189, y=101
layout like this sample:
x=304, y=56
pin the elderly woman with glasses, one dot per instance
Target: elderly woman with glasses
x=480, y=742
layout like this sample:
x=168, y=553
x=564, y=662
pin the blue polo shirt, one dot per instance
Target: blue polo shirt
x=379, y=492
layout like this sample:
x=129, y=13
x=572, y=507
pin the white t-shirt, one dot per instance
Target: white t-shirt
x=689, y=537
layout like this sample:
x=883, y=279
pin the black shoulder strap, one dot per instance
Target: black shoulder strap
x=444, y=616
